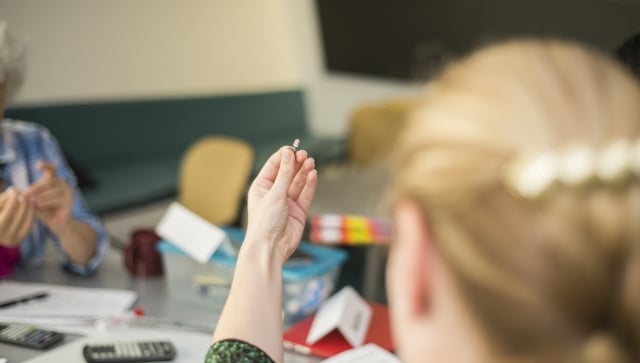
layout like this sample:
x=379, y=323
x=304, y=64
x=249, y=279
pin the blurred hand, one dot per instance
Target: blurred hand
x=279, y=201
x=17, y=217
x=52, y=198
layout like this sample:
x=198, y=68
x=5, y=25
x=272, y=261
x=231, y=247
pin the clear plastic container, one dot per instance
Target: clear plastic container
x=306, y=283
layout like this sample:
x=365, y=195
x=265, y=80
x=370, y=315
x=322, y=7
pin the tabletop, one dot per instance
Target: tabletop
x=153, y=298
x=361, y=191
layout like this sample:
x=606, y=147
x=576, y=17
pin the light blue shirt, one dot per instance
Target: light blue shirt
x=22, y=146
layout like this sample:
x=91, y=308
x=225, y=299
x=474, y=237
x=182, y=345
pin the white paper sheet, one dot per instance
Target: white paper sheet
x=64, y=301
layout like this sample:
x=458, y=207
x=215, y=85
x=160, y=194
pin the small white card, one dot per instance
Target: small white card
x=345, y=311
x=190, y=232
x=369, y=353
x=20, y=177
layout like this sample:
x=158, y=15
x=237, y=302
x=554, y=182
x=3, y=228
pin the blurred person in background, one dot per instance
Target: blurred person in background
x=516, y=196
x=38, y=196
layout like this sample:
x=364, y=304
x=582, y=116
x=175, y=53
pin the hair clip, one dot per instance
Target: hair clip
x=614, y=162
x=635, y=158
x=532, y=175
x=577, y=165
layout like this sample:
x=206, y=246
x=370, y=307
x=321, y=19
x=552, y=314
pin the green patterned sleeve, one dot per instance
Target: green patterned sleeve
x=232, y=351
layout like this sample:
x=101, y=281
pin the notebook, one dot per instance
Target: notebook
x=379, y=333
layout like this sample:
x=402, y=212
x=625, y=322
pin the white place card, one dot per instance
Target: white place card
x=190, y=232
x=345, y=311
x=369, y=353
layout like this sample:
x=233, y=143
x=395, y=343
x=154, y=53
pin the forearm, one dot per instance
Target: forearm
x=78, y=240
x=253, y=311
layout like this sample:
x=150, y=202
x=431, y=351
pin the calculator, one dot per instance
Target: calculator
x=28, y=335
x=129, y=351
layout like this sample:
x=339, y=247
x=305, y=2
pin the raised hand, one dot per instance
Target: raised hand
x=279, y=201
x=52, y=197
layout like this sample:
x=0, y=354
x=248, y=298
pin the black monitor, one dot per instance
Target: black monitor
x=410, y=39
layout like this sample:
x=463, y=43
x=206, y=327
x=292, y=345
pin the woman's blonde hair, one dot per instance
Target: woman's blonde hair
x=555, y=278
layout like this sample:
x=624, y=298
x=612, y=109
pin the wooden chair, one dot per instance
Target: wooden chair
x=213, y=178
x=374, y=129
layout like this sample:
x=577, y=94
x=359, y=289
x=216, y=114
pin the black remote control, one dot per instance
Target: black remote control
x=28, y=335
x=129, y=351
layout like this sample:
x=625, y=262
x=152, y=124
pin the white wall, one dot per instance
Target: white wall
x=116, y=49
x=83, y=50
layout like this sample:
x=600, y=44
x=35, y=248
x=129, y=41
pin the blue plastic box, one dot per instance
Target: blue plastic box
x=305, y=286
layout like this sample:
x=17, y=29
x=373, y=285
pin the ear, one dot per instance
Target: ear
x=409, y=278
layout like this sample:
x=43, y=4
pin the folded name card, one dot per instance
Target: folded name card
x=345, y=311
x=365, y=354
x=191, y=233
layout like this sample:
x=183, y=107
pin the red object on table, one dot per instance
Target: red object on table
x=334, y=343
x=9, y=258
x=141, y=257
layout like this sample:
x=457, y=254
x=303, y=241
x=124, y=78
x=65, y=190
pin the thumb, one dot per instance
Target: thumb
x=47, y=168
x=285, y=173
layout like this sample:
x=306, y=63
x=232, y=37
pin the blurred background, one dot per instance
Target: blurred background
x=339, y=53
x=127, y=87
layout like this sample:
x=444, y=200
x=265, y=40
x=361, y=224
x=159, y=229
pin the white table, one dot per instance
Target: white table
x=153, y=297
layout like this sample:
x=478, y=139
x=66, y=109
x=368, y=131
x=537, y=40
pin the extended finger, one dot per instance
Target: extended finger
x=47, y=179
x=300, y=179
x=285, y=173
x=301, y=156
x=47, y=168
x=53, y=193
x=42, y=186
x=18, y=217
x=50, y=203
x=54, y=202
x=8, y=210
x=270, y=168
x=27, y=223
x=306, y=196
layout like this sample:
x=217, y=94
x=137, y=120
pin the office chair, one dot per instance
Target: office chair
x=213, y=178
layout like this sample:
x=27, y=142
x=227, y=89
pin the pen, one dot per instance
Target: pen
x=24, y=299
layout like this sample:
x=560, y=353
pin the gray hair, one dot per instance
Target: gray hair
x=12, y=61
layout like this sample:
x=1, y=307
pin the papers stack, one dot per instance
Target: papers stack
x=62, y=305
